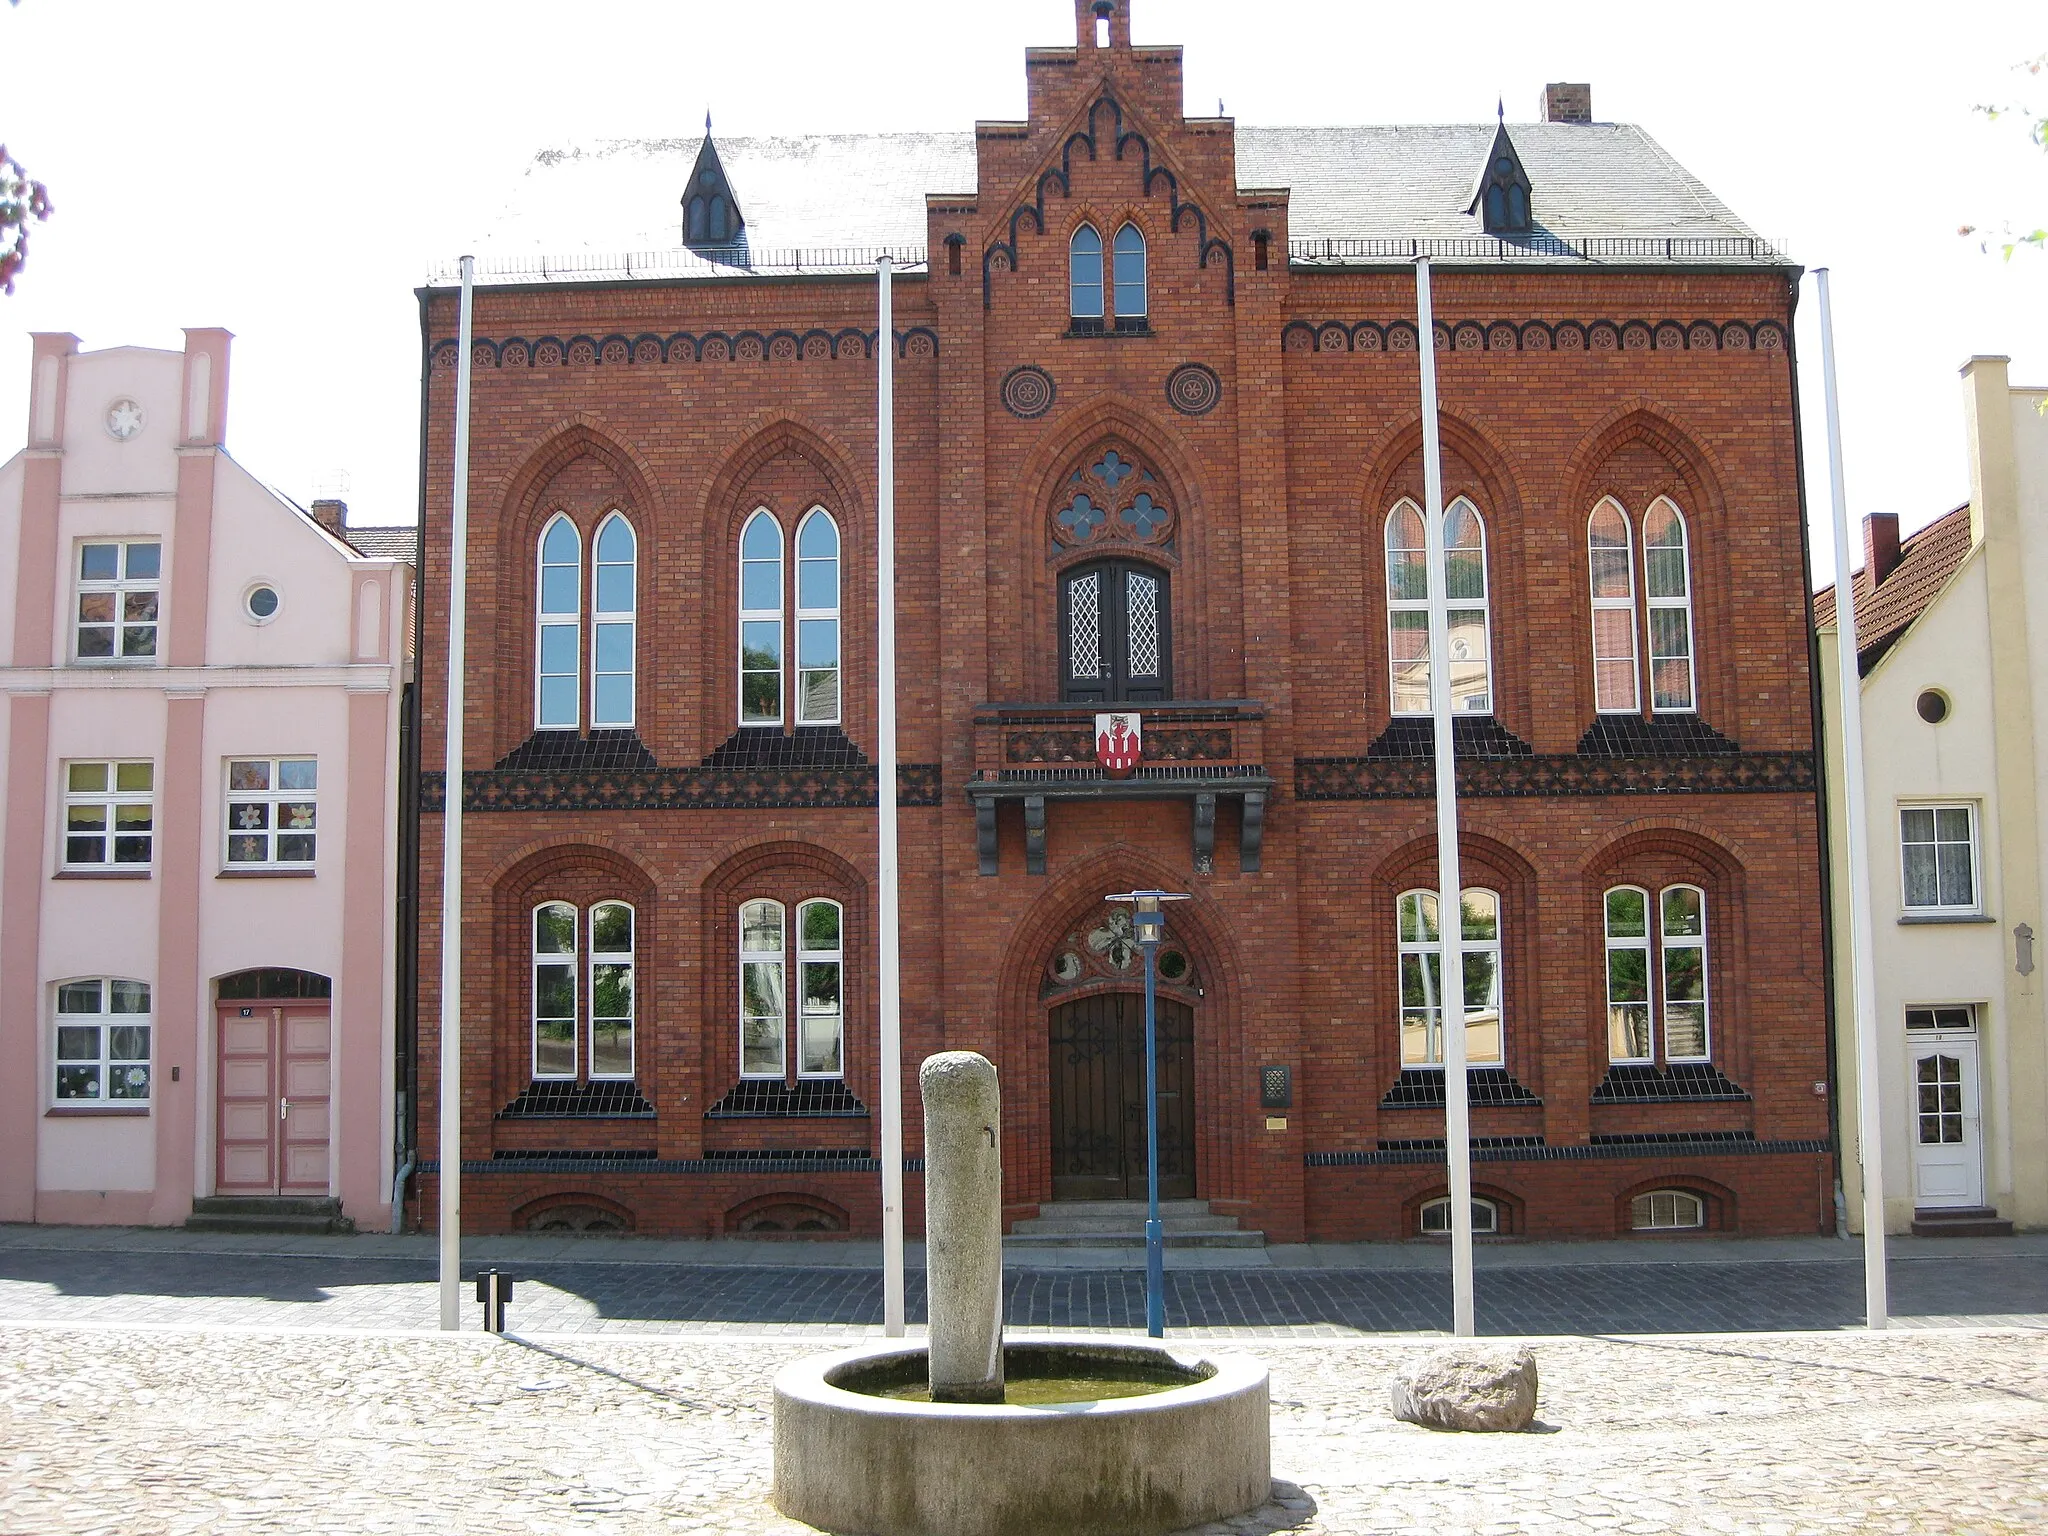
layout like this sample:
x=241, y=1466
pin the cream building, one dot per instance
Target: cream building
x=1953, y=649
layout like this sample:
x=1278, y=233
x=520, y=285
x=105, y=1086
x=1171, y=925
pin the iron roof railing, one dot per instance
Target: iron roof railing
x=682, y=261
x=1334, y=252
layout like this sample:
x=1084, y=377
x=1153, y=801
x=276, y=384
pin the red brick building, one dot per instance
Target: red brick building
x=1158, y=447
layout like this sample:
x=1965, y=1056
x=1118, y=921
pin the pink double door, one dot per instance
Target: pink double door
x=275, y=1092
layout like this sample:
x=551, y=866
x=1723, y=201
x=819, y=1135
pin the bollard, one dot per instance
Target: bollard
x=963, y=1226
x=493, y=1290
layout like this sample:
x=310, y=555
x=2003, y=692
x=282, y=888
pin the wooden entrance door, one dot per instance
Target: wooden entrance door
x=1098, y=1098
x=274, y=1105
x=1948, y=1156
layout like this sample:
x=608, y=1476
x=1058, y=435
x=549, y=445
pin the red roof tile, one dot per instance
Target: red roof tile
x=1926, y=561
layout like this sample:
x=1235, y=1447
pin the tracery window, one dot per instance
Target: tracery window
x=560, y=619
x=761, y=620
x=1679, y=965
x=1421, y=971
x=821, y=1010
x=1084, y=274
x=817, y=619
x=1469, y=626
x=612, y=605
x=1128, y=251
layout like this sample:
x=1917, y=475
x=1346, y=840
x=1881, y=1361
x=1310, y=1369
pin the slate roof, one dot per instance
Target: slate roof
x=1926, y=561
x=1602, y=191
x=396, y=543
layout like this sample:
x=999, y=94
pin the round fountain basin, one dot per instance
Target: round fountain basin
x=1192, y=1444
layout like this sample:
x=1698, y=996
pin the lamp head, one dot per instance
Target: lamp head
x=1148, y=916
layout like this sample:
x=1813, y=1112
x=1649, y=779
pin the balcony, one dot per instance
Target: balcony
x=1195, y=750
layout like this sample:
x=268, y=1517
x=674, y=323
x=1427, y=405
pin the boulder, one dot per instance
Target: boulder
x=1468, y=1386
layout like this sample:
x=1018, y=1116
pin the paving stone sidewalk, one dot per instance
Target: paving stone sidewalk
x=110, y=1433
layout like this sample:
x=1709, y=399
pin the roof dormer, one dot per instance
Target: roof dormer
x=1500, y=195
x=711, y=214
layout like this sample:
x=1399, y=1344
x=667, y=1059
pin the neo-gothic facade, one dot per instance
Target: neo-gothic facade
x=1158, y=447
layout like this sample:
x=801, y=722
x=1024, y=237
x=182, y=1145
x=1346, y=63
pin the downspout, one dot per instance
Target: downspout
x=406, y=1130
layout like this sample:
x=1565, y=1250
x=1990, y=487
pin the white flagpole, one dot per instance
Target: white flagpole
x=451, y=844
x=1869, y=1093
x=1450, y=889
x=886, y=896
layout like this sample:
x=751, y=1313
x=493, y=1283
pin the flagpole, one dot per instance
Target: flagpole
x=450, y=1084
x=1863, y=962
x=1450, y=888
x=886, y=895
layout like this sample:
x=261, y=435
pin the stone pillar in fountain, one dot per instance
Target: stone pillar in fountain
x=963, y=1226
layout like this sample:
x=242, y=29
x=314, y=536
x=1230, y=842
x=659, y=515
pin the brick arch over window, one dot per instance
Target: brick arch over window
x=1513, y=1209
x=1717, y=1200
x=788, y=467
x=1207, y=661
x=1482, y=862
x=572, y=1210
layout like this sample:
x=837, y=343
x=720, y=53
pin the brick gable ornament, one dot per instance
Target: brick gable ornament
x=1119, y=743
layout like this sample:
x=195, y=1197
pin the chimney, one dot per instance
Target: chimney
x=333, y=516
x=1880, y=546
x=1567, y=103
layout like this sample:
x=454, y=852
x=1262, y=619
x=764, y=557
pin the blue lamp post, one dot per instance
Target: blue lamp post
x=1148, y=917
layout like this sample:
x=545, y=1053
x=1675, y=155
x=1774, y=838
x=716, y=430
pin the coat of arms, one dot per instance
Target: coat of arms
x=1119, y=743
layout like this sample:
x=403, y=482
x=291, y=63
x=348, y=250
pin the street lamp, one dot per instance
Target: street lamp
x=1149, y=919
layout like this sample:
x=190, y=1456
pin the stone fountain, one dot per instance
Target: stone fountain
x=969, y=1436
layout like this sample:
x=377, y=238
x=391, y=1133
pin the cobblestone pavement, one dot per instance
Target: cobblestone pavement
x=158, y=1432
x=332, y=1289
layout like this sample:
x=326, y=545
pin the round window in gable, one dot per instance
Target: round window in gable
x=261, y=603
x=1933, y=705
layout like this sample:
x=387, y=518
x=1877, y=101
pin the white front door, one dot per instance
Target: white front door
x=1948, y=1159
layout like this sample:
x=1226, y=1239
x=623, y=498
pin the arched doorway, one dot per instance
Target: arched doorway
x=1097, y=1045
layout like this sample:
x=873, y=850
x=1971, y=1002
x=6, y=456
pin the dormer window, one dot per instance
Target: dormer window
x=1500, y=196
x=711, y=214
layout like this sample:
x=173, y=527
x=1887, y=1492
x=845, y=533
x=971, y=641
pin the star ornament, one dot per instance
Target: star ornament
x=124, y=419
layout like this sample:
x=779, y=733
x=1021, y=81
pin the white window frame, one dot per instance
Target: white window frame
x=556, y=959
x=1680, y=604
x=1624, y=604
x=274, y=799
x=1639, y=944
x=1934, y=1029
x=775, y=960
x=603, y=619
x=623, y=959
x=1644, y=1218
x=1485, y=1217
x=806, y=957
x=1079, y=283
x=1456, y=608
x=121, y=588
x=811, y=616
x=761, y=616
x=1425, y=949
x=1118, y=286
x=1667, y=942
x=110, y=802
x=1938, y=908
x=103, y=1063
x=546, y=619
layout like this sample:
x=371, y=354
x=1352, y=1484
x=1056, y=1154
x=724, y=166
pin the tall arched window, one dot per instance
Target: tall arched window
x=1667, y=586
x=1421, y=971
x=611, y=990
x=1470, y=630
x=612, y=612
x=821, y=1025
x=817, y=619
x=560, y=618
x=1679, y=963
x=554, y=990
x=1129, y=252
x=1612, y=571
x=1628, y=974
x=1682, y=933
x=1084, y=274
x=761, y=620
x=762, y=1010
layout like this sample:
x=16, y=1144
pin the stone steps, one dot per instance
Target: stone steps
x=290, y=1215
x=1121, y=1224
x=1960, y=1221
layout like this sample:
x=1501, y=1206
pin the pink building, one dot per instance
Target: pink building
x=199, y=763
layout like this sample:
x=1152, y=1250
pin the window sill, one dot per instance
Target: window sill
x=1936, y=919
x=1100, y=332
x=102, y=874
x=266, y=874
x=96, y=1112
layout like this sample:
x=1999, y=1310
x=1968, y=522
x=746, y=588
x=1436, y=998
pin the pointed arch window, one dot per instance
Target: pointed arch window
x=1667, y=587
x=1084, y=274
x=817, y=619
x=1470, y=625
x=554, y=990
x=1611, y=561
x=560, y=623
x=1421, y=970
x=760, y=695
x=613, y=603
x=1129, y=271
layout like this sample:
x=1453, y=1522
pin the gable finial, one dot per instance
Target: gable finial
x=1500, y=112
x=707, y=122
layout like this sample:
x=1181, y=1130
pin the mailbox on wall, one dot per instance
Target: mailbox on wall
x=1276, y=1088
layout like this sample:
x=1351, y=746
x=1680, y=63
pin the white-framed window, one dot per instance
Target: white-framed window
x=1469, y=628
x=1610, y=561
x=1128, y=261
x=554, y=990
x=273, y=812
x=817, y=619
x=1667, y=589
x=1679, y=963
x=821, y=1030
x=761, y=620
x=1938, y=858
x=611, y=990
x=1084, y=274
x=1945, y=1017
x=1421, y=971
x=109, y=815
x=559, y=616
x=1629, y=1036
x=613, y=604
x=1435, y=1216
x=1682, y=936
x=120, y=595
x=763, y=1012
x=1667, y=1210
x=102, y=1051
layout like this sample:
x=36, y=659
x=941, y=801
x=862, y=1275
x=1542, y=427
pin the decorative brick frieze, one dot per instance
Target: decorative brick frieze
x=1389, y=778
x=679, y=789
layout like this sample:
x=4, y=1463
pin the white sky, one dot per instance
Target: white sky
x=289, y=170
